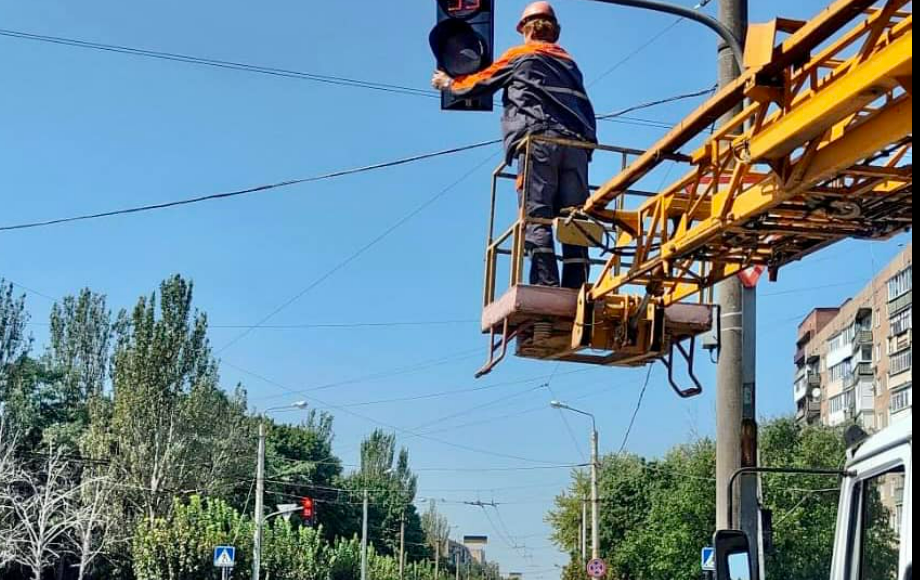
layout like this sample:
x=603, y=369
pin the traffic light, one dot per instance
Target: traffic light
x=463, y=43
x=309, y=511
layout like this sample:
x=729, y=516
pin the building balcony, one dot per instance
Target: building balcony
x=865, y=398
x=900, y=303
x=800, y=391
x=863, y=338
x=808, y=411
x=862, y=374
x=799, y=357
x=814, y=380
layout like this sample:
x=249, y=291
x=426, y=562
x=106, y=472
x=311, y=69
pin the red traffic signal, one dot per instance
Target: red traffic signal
x=461, y=8
x=308, y=508
x=462, y=43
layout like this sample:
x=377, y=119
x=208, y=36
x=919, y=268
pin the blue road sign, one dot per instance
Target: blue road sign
x=709, y=559
x=224, y=557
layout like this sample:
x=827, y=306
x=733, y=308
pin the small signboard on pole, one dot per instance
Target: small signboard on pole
x=225, y=560
x=708, y=557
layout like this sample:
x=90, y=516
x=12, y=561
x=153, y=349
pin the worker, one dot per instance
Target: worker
x=544, y=94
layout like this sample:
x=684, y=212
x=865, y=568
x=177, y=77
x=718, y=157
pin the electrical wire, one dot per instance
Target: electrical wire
x=645, y=45
x=563, y=417
x=253, y=68
x=674, y=99
x=223, y=64
x=395, y=428
x=361, y=251
x=306, y=180
x=247, y=191
x=632, y=422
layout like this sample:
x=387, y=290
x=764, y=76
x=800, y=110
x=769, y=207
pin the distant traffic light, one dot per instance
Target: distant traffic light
x=309, y=511
x=463, y=43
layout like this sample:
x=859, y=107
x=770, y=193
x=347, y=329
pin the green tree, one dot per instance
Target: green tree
x=385, y=472
x=657, y=514
x=14, y=341
x=172, y=430
x=300, y=460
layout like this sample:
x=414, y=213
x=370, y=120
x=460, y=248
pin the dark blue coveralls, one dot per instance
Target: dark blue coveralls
x=544, y=94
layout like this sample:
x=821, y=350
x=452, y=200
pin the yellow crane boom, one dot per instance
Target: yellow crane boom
x=818, y=153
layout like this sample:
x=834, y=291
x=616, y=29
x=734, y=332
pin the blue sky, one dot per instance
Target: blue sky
x=87, y=131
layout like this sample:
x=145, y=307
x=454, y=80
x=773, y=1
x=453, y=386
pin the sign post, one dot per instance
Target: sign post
x=225, y=560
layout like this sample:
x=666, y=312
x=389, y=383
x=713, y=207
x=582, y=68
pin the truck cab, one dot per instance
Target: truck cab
x=873, y=540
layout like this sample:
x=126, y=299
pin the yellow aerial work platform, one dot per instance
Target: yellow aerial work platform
x=818, y=150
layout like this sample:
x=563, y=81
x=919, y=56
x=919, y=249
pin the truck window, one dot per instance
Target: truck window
x=880, y=542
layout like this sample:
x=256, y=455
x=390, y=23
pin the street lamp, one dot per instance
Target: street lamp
x=260, y=486
x=595, y=466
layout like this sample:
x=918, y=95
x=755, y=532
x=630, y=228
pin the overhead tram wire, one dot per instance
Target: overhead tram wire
x=394, y=428
x=223, y=64
x=220, y=196
x=635, y=415
x=258, y=69
x=250, y=190
x=620, y=63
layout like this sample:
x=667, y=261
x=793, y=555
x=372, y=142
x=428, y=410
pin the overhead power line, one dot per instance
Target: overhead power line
x=223, y=64
x=396, y=428
x=361, y=251
x=635, y=415
x=313, y=179
x=257, y=69
x=674, y=99
x=250, y=190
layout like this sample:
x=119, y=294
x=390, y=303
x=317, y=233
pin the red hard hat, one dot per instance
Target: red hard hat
x=536, y=9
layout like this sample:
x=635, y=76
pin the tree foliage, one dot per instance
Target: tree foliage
x=657, y=515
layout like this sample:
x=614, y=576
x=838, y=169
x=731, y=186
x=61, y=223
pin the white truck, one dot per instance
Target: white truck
x=875, y=502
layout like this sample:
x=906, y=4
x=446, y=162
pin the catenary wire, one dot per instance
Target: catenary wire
x=635, y=415
x=394, y=428
x=360, y=251
x=247, y=191
x=301, y=181
x=223, y=64
x=253, y=68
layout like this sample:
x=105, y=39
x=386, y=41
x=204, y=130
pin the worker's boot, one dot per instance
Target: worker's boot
x=543, y=268
x=576, y=266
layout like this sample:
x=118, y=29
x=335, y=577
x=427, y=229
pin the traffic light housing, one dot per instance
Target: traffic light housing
x=309, y=510
x=463, y=43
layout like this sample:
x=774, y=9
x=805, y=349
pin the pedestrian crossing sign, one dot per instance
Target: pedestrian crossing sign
x=709, y=559
x=224, y=557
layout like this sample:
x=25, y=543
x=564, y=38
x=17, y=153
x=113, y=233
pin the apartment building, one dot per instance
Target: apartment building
x=855, y=362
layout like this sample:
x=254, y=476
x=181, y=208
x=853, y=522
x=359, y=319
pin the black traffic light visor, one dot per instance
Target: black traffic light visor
x=458, y=48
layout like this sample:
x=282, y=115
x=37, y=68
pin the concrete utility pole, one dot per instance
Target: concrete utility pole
x=402, y=545
x=437, y=560
x=260, y=507
x=736, y=410
x=595, y=495
x=595, y=468
x=259, y=516
x=584, y=530
x=364, y=539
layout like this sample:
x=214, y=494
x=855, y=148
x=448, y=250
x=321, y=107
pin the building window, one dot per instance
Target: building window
x=842, y=371
x=902, y=322
x=902, y=362
x=844, y=339
x=843, y=402
x=901, y=284
x=902, y=400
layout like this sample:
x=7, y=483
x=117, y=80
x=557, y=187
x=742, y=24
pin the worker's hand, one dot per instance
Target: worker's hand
x=441, y=80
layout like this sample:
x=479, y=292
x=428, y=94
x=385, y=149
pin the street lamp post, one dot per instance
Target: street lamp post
x=595, y=466
x=260, y=489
